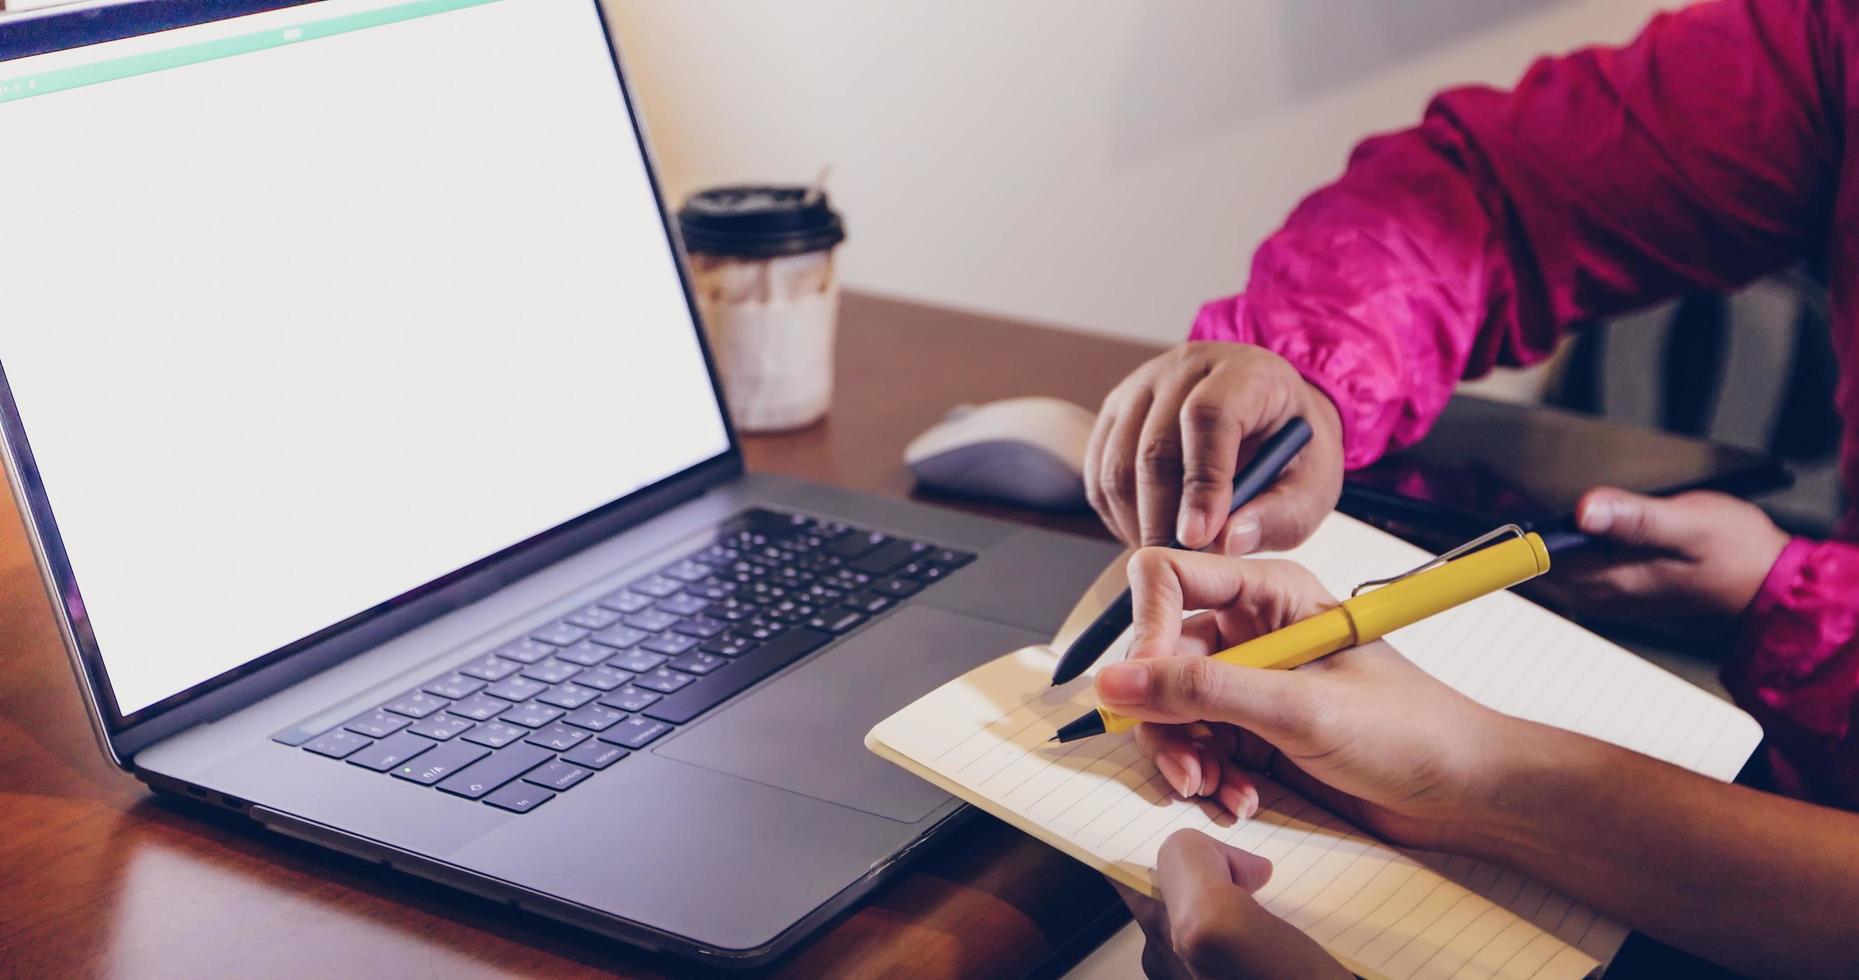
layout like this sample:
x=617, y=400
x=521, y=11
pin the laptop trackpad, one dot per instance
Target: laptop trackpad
x=805, y=732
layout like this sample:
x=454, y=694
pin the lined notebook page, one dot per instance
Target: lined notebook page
x=1384, y=913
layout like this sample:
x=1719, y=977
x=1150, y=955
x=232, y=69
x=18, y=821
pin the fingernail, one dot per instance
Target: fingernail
x=1176, y=772
x=1242, y=538
x=1232, y=799
x=1190, y=528
x=1124, y=683
x=1598, y=516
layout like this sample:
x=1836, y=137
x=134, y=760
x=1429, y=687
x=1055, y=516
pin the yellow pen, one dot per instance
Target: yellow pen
x=1433, y=588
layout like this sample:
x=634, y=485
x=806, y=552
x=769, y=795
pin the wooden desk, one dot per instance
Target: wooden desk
x=100, y=878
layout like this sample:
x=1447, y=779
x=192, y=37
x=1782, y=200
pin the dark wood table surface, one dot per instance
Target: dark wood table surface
x=98, y=877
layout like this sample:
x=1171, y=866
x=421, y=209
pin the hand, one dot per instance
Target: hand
x=1161, y=458
x=1205, y=923
x=1701, y=556
x=1363, y=731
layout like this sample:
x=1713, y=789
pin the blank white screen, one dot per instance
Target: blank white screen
x=296, y=331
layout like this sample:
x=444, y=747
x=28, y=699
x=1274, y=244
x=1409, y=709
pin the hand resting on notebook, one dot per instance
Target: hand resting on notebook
x=1759, y=883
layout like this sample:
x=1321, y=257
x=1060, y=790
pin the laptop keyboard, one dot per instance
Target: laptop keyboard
x=547, y=710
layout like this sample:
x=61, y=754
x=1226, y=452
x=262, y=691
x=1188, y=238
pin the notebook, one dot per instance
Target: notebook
x=1383, y=911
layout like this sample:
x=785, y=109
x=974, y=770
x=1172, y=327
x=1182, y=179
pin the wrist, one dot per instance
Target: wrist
x=1527, y=776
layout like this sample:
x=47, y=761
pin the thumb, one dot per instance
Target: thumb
x=1635, y=520
x=1282, y=517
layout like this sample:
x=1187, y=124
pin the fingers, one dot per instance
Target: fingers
x=1212, y=426
x=1158, y=457
x=1290, y=709
x=1215, y=925
x=1637, y=521
x=1164, y=583
x=1113, y=474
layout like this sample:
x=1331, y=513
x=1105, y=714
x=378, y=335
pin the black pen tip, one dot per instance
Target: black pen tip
x=1084, y=726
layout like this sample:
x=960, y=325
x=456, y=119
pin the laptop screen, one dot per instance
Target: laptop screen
x=305, y=309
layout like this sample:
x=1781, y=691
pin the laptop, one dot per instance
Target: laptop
x=365, y=433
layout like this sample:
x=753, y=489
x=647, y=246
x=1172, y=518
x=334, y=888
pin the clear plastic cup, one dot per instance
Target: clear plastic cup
x=762, y=265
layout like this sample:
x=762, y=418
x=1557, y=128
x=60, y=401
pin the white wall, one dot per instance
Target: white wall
x=1102, y=164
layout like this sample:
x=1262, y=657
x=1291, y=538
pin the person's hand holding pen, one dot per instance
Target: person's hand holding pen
x=1364, y=730
x=1161, y=458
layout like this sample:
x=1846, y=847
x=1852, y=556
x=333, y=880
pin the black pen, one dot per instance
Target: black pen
x=1260, y=472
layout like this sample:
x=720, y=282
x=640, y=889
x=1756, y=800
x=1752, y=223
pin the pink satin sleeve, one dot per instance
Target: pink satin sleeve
x=1698, y=156
x=1797, y=669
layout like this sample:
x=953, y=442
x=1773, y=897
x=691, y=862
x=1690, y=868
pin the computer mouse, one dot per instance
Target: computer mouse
x=1025, y=451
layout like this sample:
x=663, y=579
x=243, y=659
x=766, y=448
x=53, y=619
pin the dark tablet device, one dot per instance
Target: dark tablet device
x=1488, y=463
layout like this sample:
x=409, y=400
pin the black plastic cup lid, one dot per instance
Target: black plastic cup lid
x=759, y=221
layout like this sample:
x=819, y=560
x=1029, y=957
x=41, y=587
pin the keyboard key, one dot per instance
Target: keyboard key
x=670, y=644
x=699, y=663
x=899, y=588
x=637, y=661
x=524, y=651
x=837, y=621
x=562, y=634
x=479, y=707
x=630, y=698
x=416, y=704
x=594, y=617
x=603, y=678
x=749, y=668
x=496, y=734
x=663, y=680
x=516, y=689
x=683, y=605
x=337, y=744
x=391, y=751
x=949, y=558
x=687, y=571
x=716, y=554
x=761, y=632
x=651, y=620
x=856, y=544
x=377, y=724
x=519, y=797
x=712, y=589
x=551, y=671
x=531, y=715
x=595, y=755
x=635, y=732
x=502, y=767
x=703, y=627
x=489, y=668
x=455, y=686
x=620, y=637
x=442, y=726
x=885, y=558
x=594, y=718
x=441, y=762
x=728, y=646
x=660, y=587
x=871, y=603
x=558, y=775
x=558, y=737
x=570, y=696
x=586, y=653
x=626, y=602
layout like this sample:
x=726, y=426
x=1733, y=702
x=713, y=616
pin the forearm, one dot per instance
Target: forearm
x=1758, y=883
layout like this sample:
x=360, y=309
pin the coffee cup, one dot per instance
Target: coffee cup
x=762, y=265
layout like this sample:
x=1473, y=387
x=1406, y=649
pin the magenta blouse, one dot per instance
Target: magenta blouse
x=1709, y=151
